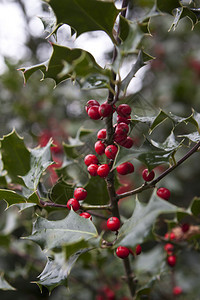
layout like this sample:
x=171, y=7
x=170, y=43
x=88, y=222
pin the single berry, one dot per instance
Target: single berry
x=91, y=103
x=73, y=203
x=91, y=159
x=120, y=138
x=163, y=193
x=99, y=147
x=121, y=119
x=105, y=110
x=171, y=260
x=101, y=135
x=185, y=227
x=122, y=252
x=127, y=143
x=113, y=223
x=138, y=250
x=92, y=169
x=86, y=215
x=148, y=176
x=124, y=110
x=80, y=194
x=169, y=248
x=103, y=170
x=125, y=168
x=172, y=236
x=177, y=290
x=108, y=293
x=93, y=113
x=167, y=235
x=111, y=151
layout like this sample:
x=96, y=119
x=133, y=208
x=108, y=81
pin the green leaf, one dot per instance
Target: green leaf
x=77, y=64
x=61, y=192
x=169, y=144
x=15, y=156
x=4, y=285
x=54, y=234
x=137, y=229
x=167, y=6
x=12, y=198
x=40, y=160
x=195, y=206
x=59, y=266
x=84, y=16
x=97, y=191
x=193, y=137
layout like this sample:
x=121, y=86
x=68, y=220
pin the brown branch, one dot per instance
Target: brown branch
x=152, y=184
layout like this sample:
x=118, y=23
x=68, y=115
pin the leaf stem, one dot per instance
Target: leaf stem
x=152, y=184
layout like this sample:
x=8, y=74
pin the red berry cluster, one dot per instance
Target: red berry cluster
x=123, y=252
x=79, y=195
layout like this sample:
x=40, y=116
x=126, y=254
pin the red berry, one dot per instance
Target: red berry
x=148, y=176
x=172, y=236
x=73, y=203
x=138, y=250
x=92, y=169
x=113, y=223
x=101, y=135
x=171, y=260
x=169, y=248
x=86, y=215
x=167, y=235
x=124, y=110
x=105, y=110
x=99, y=147
x=91, y=159
x=177, y=290
x=111, y=151
x=80, y=194
x=128, y=143
x=93, y=113
x=163, y=193
x=185, y=227
x=122, y=252
x=125, y=168
x=121, y=128
x=103, y=170
x=120, y=138
x=91, y=103
x=123, y=119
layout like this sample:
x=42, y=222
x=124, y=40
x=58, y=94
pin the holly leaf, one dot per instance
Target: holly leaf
x=137, y=229
x=40, y=159
x=84, y=16
x=11, y=198
x=15, y=156
x=169, y=144
x=4, y=285
x=193, y=137
x=97, y=191
x=61, y=192
x=167, y=6
x=54, y=234
x=195, y=207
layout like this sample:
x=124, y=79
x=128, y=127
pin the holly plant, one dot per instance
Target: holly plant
x=106, y=225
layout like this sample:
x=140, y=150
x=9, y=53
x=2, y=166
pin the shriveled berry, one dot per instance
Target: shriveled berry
x=169, y=248
x=122, y=252
x=121, y=128
x=163, y=193
x=127, y=143
x=138, y=250
x=113, y=223
x=105, y=110
x=99, y=147
x=80, y=194
x=171, y=260
x=91, y=159
x=93, y=113
x=86, y=215
x=148, y=176
x=124, y=110
x=91, y=103
x=177, y=290
x=103, y=170
x=125, y=168
x=123, y=119
x=92, y=169
x=101, y=135
x=185, y=227
x=111, y=151
x=73, y=203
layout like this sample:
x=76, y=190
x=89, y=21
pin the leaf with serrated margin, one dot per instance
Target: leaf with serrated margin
x=12, y=198
x=84, y=16
x=193, y=137
x=15, y=156
x=97, y=191
x=137, y=229
x=4, y=285
x=169, y=144
x=54, y=234
x=61, y=192
x=167, y=6
x=40, y=160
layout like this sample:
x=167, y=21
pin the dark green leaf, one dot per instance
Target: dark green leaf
x=169, y=144
x=61, y=192
x=167, y=6
x=15, y=156
x=195, y=206
x=97, y=191
x=137, y=229
x=84, y=16
x=53, y=234
x=4, y=285
x=12, y=198
x=193, y=137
